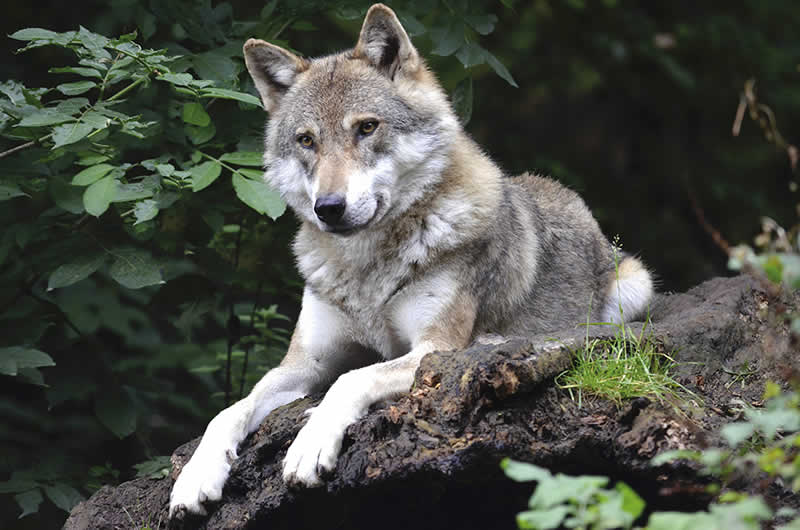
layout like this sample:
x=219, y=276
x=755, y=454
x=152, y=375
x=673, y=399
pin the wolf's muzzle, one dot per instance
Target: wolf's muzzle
x=330, y=208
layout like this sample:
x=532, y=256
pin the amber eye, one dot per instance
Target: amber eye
x=367, y=127
x=305, y=141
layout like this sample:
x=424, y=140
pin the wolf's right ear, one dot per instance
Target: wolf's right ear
x=385, y=44
x=273, y=70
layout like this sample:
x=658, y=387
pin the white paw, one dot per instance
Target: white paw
x=201, y=480
x=314, y=451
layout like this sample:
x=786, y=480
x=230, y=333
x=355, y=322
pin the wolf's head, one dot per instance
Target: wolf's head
x=356, y=137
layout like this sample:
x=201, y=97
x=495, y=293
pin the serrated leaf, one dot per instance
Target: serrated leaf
x=135, y=268
x=500, y=69
x=98, y=196
x=78, y=70
x=63, y=495
x=114, y=408
x=259, y=196
x=155, y=468
x=195, y=114
x=43, y=117
x=29, y=502
x=75, y=270
x=78, y=87
x=223, y=93
x=244, y=158
x=91, y=174
x=69, y=134
x=145, y=210
x=176, y=79
x=33, y=34
x=203, y=175
x=9, y=191
x=16, y=357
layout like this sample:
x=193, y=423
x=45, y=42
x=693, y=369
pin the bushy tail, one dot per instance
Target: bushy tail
x=629, y=291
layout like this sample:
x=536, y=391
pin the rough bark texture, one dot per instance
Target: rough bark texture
x=430, y=459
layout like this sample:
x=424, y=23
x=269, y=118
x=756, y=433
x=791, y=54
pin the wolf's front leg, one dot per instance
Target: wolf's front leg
x=444, y=324
x=318, y=352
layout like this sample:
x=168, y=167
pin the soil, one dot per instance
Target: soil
x=430, y=459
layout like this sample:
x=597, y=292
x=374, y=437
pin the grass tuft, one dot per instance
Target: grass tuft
x=620, y=368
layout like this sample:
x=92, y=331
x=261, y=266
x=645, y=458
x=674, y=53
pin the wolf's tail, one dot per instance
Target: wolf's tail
x=630, y=290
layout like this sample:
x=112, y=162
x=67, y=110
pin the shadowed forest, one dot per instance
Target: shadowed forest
x=146, y=276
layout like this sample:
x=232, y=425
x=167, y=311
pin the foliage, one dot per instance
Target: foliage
x=768, y=441
x=144, y=275
x=574, y=502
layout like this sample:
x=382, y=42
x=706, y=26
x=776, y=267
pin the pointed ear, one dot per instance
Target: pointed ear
x=273, y=70
x=385, y=44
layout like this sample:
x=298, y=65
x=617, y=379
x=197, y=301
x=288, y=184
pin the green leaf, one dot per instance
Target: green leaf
x=736, y=433
x=33, y=34
x=29, y=501
x=145, y=210
x=114, y=408
x=91, y=174
x=63, y=495
x=483, y=24
x=223, y=93
x=79, y=267
x=632, y=503
x=500, y=69
x=69, y=134
x=195, y=114
x=43, y=117
x=524, y=472
x=78, y=87
x=135, y=268
x=216, y=65
x=9, y=191
x=244, y=158
x=200, y=135
x=155, y=468
x=66, y=196
x=176, y=79
x=16, y=357
x=98, y=196
x=259, y=196
x=447, y=39
x=203, y=175
x=78, y=70
x=462, y=100
x=470, y=54
x=544, y=519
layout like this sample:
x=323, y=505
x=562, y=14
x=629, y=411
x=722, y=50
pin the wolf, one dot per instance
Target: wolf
x=411, y=241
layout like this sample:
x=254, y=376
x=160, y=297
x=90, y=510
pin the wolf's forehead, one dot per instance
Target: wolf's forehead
x=334, y=87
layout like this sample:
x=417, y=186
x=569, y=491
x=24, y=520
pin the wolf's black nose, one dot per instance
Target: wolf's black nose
x=330, y=208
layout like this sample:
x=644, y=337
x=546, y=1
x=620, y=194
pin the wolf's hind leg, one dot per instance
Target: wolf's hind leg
x=630, y=290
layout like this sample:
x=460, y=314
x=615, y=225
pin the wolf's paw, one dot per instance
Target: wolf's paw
x=313, y=453
x=201, y=480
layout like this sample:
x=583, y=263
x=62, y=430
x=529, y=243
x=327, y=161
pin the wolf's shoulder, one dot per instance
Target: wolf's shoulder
x=545, y=191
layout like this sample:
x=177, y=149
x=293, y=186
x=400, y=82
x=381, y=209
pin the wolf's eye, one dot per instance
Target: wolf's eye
x=305, y=141
x=367, y=127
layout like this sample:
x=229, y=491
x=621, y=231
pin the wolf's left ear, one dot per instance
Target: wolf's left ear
x=273, y=70
x=385, y=44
